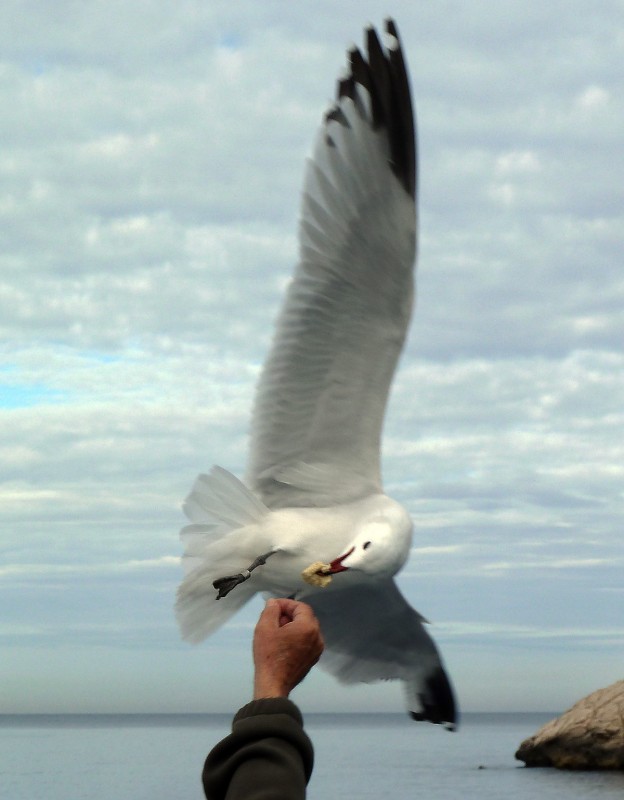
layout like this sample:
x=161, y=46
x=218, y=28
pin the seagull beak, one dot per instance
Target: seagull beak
x=337, y=566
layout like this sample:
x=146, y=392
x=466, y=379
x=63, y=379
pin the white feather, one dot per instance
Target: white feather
x=314, y=467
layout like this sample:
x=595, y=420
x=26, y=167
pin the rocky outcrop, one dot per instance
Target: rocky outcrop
x=590, y=735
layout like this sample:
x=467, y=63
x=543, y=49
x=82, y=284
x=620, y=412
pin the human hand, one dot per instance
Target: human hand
x=287, y=644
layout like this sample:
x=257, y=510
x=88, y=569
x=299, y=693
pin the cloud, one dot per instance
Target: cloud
x=502, y=633
x=550, y=564
x=151, y=172
x=37, y=570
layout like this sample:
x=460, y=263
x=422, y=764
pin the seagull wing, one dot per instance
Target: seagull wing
x=371, y=633
x=320, y=402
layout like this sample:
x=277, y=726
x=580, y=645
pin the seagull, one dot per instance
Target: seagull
x=311, y=520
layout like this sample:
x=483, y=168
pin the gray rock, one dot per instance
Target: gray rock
x=590, y=735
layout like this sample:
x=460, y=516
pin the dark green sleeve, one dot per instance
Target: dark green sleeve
x=268, y=755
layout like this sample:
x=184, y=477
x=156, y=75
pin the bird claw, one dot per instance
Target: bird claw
x=225, y=585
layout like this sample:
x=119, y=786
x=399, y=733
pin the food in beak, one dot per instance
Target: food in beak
x=320, y=574
x=317, y=574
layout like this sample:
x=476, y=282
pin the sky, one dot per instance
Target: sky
x=151, y=159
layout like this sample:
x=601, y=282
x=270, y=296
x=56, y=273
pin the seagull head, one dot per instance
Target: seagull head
x=377, y=550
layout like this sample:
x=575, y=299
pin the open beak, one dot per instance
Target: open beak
x=337, y=566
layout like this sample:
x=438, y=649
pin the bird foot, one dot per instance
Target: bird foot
x=225, y=585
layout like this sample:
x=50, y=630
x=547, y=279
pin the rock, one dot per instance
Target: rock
x=590, y=735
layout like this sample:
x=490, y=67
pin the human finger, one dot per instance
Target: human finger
x=294, y=608
x=270, y=616
x=302, y=613
x=287, y=609
x=286, y=605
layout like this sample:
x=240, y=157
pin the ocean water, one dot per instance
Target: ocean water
x=160, y=757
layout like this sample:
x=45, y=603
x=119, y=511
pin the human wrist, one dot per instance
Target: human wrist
x=266, y=686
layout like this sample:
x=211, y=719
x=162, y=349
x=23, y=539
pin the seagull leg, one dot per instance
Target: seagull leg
x=225, y=585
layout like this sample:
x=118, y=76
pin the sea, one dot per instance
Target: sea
x=357, y=756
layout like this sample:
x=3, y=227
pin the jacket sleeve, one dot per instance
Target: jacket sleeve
x=268, y=755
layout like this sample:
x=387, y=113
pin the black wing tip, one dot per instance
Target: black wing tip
x=420, y=717
x=438, y=702
x=391, y=28
x=383, y=74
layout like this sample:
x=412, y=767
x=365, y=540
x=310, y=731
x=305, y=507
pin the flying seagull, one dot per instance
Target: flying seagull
x=312, y=520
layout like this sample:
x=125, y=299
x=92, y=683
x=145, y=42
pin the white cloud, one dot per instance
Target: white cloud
x=505, y=632
x=517, y=162
x=552, y=563
x=150, y=173
x=593, y=97
x=38, y=570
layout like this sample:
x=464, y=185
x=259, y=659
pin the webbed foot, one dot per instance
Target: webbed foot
x=225, y=585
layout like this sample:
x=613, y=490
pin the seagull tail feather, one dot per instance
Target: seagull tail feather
x=197, y=609
x=224, y=516
x=220, y=502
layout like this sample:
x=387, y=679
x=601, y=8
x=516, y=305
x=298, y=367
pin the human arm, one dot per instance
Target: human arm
x=268, y=754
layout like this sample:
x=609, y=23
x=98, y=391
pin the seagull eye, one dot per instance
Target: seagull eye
x=366, y=545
